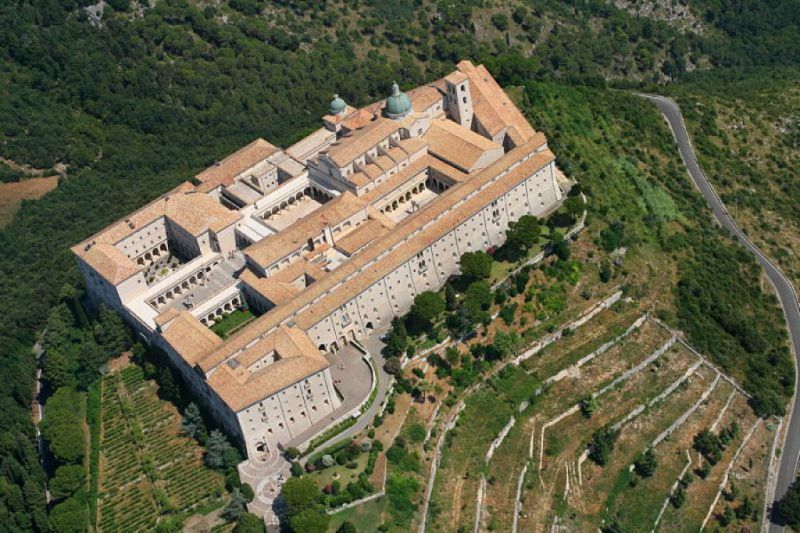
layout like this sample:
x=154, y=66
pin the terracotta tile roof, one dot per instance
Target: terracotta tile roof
x=372, y=171
x=396, y=154
x=412, y=145
x=277, y=292
x=385, y=221
x=492, y=106
x=385, y=163
x=297, y=357
x=347, y=148
x=190, y=338
x=456, y=77
x=360, y=237
x=397, y=179
x=193, y=211
x=223, y=173
x=456, y=144
x=359, y=119
x=424, y=97
x=166, y=316
x=319, y=298
x=449, y=171
x=272, y=248
x=359, y=179
x=198, y=213
x=110, y=263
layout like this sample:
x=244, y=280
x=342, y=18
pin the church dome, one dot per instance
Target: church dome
x=337, y=105
x=397, y=105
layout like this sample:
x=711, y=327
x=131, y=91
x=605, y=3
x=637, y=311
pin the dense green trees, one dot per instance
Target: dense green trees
x=427, y=308
x=302, y=499
x=137, y=104
x=249, y=523
x=747, y=340
x=63, y=425
x=219, y=452
x=67, y=480
x=476, y=265
x=70, y=516
x=521, y=236
x=787, y=509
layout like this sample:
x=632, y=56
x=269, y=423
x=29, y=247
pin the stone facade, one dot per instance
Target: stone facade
x=325, y=241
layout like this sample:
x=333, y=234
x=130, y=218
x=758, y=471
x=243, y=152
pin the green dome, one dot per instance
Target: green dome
x=397, y=105
x=337, y=105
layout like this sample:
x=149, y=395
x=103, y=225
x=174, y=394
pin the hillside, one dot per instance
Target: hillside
x=134, y=101
x=746, y=131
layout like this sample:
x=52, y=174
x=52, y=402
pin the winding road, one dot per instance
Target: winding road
x=783, y=287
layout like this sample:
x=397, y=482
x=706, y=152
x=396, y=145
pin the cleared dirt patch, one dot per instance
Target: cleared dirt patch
x=12, y=195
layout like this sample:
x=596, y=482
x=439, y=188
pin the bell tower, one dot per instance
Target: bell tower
x=459, y=99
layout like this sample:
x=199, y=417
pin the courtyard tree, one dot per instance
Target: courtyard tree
x=310, y=521
x=299, y=494
x=428, y=306
x=476, y=265
x=396, y=339
x=521, y=236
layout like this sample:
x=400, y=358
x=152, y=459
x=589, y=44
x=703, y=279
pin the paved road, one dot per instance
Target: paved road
x=783, y=287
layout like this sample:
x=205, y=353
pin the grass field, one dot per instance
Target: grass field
x=147, y=468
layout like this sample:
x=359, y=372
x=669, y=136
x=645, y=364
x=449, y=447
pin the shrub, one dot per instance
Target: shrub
x=602, y=445
x=645, y=463
x=392, y=365
x=678, y=497
x=588, y=406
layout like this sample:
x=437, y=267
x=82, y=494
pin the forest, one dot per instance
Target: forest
x=142, y=98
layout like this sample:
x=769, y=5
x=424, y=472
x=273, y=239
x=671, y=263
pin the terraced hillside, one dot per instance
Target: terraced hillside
x=146, y=467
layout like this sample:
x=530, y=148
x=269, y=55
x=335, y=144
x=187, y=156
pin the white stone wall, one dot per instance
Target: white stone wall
x=394, y=294
x=285, y=415
x=186, y=245
x=145, y=239
x=226, y=239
